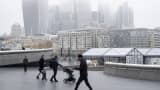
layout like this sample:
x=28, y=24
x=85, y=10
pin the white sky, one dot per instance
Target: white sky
x=146, y=13
x=10, y=12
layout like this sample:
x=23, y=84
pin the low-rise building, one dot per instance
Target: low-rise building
x=81, y=40
x=17, y=31
x=151, y=55
x=125, y=55
x=134, y=38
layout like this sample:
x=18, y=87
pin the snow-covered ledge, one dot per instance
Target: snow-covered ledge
x=146, y=72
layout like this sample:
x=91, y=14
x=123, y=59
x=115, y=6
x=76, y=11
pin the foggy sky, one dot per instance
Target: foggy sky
x=10, y=12
x=146, y=13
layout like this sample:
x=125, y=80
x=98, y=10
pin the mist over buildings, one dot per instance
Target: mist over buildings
x=145, y=15
x=41, y=17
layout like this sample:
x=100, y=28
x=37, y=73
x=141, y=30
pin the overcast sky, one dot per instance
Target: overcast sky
x=10, y=12
x=146, y=13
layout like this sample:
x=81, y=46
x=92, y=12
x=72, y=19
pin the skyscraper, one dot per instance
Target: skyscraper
x=35, y=16
x=61, y=16
x=124, y=17
x=30, y=15
x=43, y=16
x=67, y=14
x=104, y=13
x=74, y=14
x=54, y=21
x=95, y=19
x=83, y=12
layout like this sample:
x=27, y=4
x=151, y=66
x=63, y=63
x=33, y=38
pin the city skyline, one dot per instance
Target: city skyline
x=144, y=15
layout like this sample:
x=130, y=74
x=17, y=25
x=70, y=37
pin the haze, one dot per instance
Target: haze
x=146, y=12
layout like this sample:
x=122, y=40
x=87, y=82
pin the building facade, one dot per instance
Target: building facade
x=82, y=39
x=134, y=38
x=54, y=21
x=35, y=16
x=105, y=16
x=17, y=31
x=124, y=17
x=83, y=12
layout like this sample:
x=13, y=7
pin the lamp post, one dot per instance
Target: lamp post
x=62, y=48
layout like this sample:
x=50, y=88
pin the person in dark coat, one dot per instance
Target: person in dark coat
x=41, y=66
x=54, y=66
x=23, y=48
x=25, y=63
x=83, y=73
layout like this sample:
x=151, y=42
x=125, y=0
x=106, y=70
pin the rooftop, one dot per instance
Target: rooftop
x=150, y=51
x=96, y=52
x=121, y=51
x=16, y=79
x=118, y=52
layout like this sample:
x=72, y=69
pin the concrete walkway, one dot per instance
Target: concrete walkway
x=16, y=79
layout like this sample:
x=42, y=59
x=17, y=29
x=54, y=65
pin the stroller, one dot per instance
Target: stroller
x=70, y=75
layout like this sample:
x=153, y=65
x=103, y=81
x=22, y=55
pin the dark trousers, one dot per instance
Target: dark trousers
x=85, y=79
x=54, y=75
x=40, y=72
x=25, y=67
x=44, y=75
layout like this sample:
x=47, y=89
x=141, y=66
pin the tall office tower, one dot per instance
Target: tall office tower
x=35, y=16
x=124, y=17
x=83, y=12
x=54, y=22
x=67, y=14
x=95, y=19
x=104, y=13
x=30, y=15
x=43, y=16
x=74, y=14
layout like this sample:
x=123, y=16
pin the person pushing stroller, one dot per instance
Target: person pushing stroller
x=54, y=66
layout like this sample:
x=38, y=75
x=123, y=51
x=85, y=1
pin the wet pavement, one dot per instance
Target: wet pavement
x=16, y=79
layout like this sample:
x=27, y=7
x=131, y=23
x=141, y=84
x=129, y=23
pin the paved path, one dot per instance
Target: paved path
x=16, y=79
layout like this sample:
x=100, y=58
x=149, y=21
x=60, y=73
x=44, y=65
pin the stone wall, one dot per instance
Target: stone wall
x=146, y=72
x=16, y=57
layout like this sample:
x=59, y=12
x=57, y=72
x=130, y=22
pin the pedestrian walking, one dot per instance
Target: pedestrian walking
x=83, y=73
x=54, y=66
x=25, y=63
x=41, y=66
